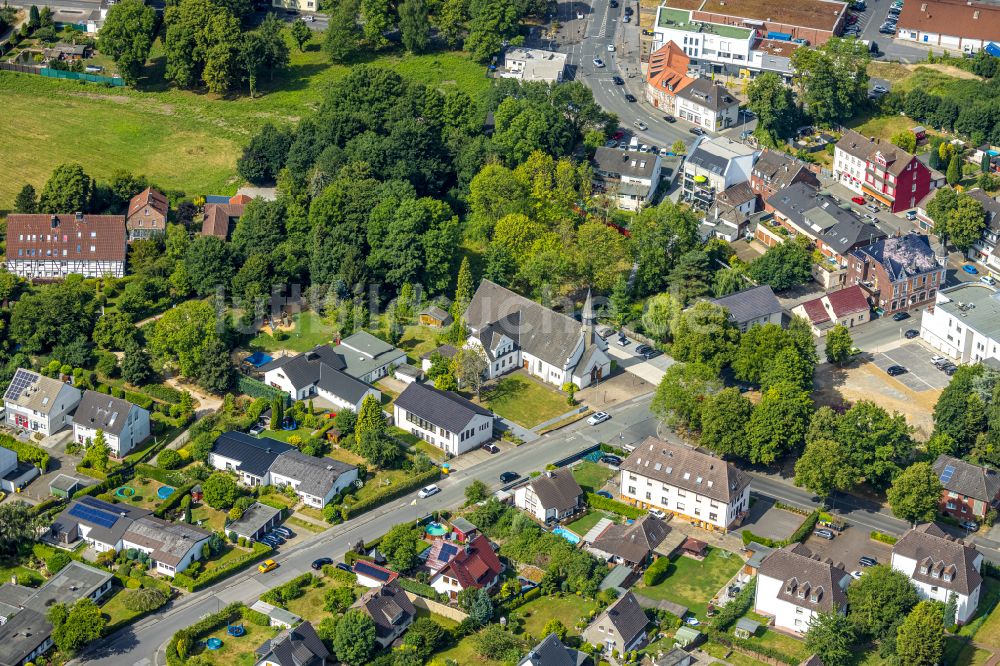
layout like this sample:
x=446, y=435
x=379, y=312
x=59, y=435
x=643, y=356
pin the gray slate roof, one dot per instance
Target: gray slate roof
x=30, y=390
x=341, y=384
x=686, y=468
x=990, y=205
x=981, y=483
x=446, y=351
x=21, y=635
x=389, y=607
x=943, y=556
x=444, y=409
x=317, y=475
x=103, y=412
x=820, y=583
x=707, y=94
x=552, y=652
x=294, y=647
x=750, y=304
x=255, y=455
x=67, y=523
x=627, y=616
x=255, y=517
x=634, y=542
x=631, y=163
x=902, y=256
x=557, y=489
x=170, y=541
x=777, y=169
x=362, y=353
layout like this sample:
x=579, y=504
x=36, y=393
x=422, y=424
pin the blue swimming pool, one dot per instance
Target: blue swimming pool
x=566, y=534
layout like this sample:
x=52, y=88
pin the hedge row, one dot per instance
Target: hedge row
x=277, y=595
x=28, y=453
x=804, y=530
x=521, y=599
x=595, y=501
x=736, y=608
x=163, y=393
x=118, y=477
x=169, y=477
x=179, y=647
x=140, y=399
x=391, y=493
x=260, y=551
x=258, y=389
x=416, y=587
x=175, y=498
x=883, y=538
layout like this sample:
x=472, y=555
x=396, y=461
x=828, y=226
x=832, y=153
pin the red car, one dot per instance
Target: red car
x=618, y=134
x=858, y=200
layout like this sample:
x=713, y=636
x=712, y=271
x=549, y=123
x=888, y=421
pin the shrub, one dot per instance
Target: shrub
x=256, y=617
x=260, y=551
x=28, y=453
x=133, y=583
x=736, y=608
x=163, y=393
x=143, y=600
x=415, y=587
x=56, y=562
x=140, y=399
x=657, y=571
x=614, y=506
x=169, y=459
x=883, y=538
x=392, y=492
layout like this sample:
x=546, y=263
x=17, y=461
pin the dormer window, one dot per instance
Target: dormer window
x=936, y=573
x=924, y=569
x=947, y=575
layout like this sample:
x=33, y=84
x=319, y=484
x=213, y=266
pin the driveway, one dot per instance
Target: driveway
x=60, y=462
x=766, y=520
x=849, y=546
x=921, y=374
x=651, y=370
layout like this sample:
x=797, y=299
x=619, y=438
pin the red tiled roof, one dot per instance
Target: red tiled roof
x=240, y=199
x=66, y=237
x=475, y=565
x=815, y=311
x=148, y=197
x=668, y=66
x=848, y=301
x=217, y=218
x=971, y=20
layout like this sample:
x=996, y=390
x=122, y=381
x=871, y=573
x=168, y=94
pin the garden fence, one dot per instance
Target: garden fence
x=62, y=74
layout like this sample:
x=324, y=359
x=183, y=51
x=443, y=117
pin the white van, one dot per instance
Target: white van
x=633, y=143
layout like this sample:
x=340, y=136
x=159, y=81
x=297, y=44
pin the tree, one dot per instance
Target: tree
x=778, y=424
x=75, y=627
x=354, y=637
x=338, y=599
x=425, y=636
x=758, y=349
x=915, y=493
x=208, y=261
x=952, y=409
x=98, y=452
x=376, y=18
x=920, y=638
x=954, y=173
x=340, y=42
x=880, y=600
x=833, y=78
x=704, y=334
x=691, y=277
x=939, y=208
x=660, y=313
x=450, y=20
x=113, y=331
x=966, y=222
x=300, y=33
x=18, y=525
x=169, y=459
x=724, y=419
x=831, y=637
x=491, y=23
x=823, y=468
x=950, y=610
x=54, y=315
x=905, y=140
x=127, y=36
x=68, y=190
x=220, y=491
x=498, y=644
x=681, y=395
x=478, y=604
x=414, y=25
x=875, y=442
x=185, y=336
x=554, y=626
x=469, y=367
x=838, y=345
x=774, y=105
x=400, y=546
x=476, y=491
x=201, y=42
x=215, y=369
x=135, y=368
x=785, y=265
x=26, y=201
x=371, y=419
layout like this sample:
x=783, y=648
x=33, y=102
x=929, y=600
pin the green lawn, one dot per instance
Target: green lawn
x=432, y=452
x=283, y=435
x=591, y=476
x=418, y=340
x=236, y=651
x=303, y=525
x=525, y=400
x=693, y=583
x=959, y=652
x=309, y=330
x=445, y=622
x=583, y=525
x=723, y=652
x=985, y=624
x=568, y=609
x=10, y=568
x=310, y=605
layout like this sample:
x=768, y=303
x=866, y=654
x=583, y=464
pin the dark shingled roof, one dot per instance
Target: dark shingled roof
x=317, y=476
x=475, y=565
x=444, y=409
x=557, y=489
x=634, y=542
x=686, y=468
x=980, y=483
x=806, y=581
x=902, y=256
x=294, y=647
x=102, y=412
x=627, y=616
x=389, y=608
x=750, y=304
x=552, y=652
x=940, y=556
x=255, y=455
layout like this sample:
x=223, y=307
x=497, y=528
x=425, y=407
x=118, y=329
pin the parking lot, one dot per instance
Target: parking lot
x=768, y=521
x=921, y=374
x=849, y=546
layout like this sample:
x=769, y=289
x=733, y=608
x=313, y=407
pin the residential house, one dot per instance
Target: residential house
x=171, y=547
x=552, y=652
x=14, y=475
x=705, y=490
x=846, y=307
x=442, y=418
x=985, y=250
x=964, y=322
x=898, y=273
x=632, y=545
x=298, y=646
x=708, y=104
x=881, y=171
x=527, y=64
x=367, y=358
x=551, y=496
x=775, y=170
x=427, y=358
x=257, y=520
x=515, y=332
x=666, y=75
x=125, y=426
x=38, y=403
x=729, y=216
x=714, y=165
x=793, y=586
x=221, y=217
x=391, y=611
x=101, y=525
x=941, y=567
x=751, y=307
x=964, y=26
x=248, y=457
x=475, y=565
x=968, y=491
x=620, y=627
x=297, y=5
x=320, y=372
x=50, y=247
x=147, y=215
x=25, y=632
x=435, y=316
x=628, y=177
x=675, y=657
x=373, y=575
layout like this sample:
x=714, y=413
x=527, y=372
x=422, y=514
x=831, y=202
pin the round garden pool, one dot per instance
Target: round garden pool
x=164, y=492
x=213, y=643
x=125, y=491
x=436, y=529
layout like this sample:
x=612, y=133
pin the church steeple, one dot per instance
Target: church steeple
x=589, y=319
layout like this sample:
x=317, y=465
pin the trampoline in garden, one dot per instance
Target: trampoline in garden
x=437, y=529
x=164, y=492
x=125, y=491
x=258, y=359
x=289, y=424
x=213, y=643
x=235, y=630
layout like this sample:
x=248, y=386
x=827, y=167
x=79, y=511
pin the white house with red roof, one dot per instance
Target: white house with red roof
x=475, y=565
x=847, y=307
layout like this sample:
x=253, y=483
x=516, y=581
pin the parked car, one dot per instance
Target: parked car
x=872, y=207
x=642, y=349
x=619, y=81
x=598, y=63
x=656, y=513
x=697, y=131
x=911, y=215
x=900, y=316
x=509, y=477
x=611, y=460
x=611, y=48
x=343, y=566
x=879, y=88
x=970, y=269
x=824, y=534
x=938, y=360
x=605, y=494
x=321, y=562
x=950, y=369
x=618, y=134
x=614, y=4
x=895, y=370
x=987, y=279
x=856, y=575
x=887, y=30
x=629, y=11
x=284, y=531
x=256, y=430
x=733, y=591
x=267, y=565
x=650, y=354
x=912, y=333
x=970, y=525
x=627, y=19
x=492, y=448
x=670, y=119
x=858, y=200
x=275, y=538
x=867, y=561
x=630, y=98
x=622, y=341
x=599, y=417
x=427, y=491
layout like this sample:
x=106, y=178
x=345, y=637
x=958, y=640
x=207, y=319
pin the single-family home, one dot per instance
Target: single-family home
x=444, y=351
x=941, y=567
x=845, y=307
x=793, y=586
x=678, y=479
x=249, y=457
x=632, y=545
x=319, y=372
x=967, y=491
x=714, y=165
x=221, y=217
x=628, y=177
x=443, y=418
x=100, y=524
x=775, y=170
x=475, y=565
x=125, y=426
x=620, y=627
x=372, y=575
x=881, y=171
x=49, y=247
x=298, y=646
x=553, y=495
x=147, y=215
x=751, y=307
x=898, y=273
x=390, y=609
x=38, y=403
x=171, y=547
x=553, y=652
x=515, y=332
x=14, y=475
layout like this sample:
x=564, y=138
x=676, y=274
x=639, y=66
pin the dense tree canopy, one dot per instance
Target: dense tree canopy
x=127, y=36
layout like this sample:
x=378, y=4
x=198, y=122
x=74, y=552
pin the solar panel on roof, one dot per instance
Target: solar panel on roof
x=366, y=569
x=22, y=380
x=946, y=475
x=448, y=551
x=92, y=515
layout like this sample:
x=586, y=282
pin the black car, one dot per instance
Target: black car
x=614, y=4
x=910, y=334
x=642, y=349
x=900, y=316
x=343, y=567
x=509, y=477
x=628, y=11
x=320, y=563
x=950, y=370
x=670, y=119
x=619, y=81
x=866, y=561
x=697, y=131
x=651, y=354
x=611, y=460
x=630, y=98
x=895, y=370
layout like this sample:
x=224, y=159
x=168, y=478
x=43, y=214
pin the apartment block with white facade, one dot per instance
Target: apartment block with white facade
x=703, y=489
x=939, y=566
x=124, y=425
x=964, y=323
x=442, y=418
x=714, y=165
x=38, y=403
x=630, y=177
x=793, y=586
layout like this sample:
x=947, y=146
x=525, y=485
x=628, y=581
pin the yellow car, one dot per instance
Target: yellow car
x=267, y=565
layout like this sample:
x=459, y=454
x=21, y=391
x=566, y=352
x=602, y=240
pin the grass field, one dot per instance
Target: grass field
x=309, y=330
x=524, y=400
x=418, y=340
x=693, y=583
x=236, y=651
x=567, y=609
x=591, y=476
x=583, y=525
x=985, y=625
x=156, y=128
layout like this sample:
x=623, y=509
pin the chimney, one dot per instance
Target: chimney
x=79, y=216
x=55, y=221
